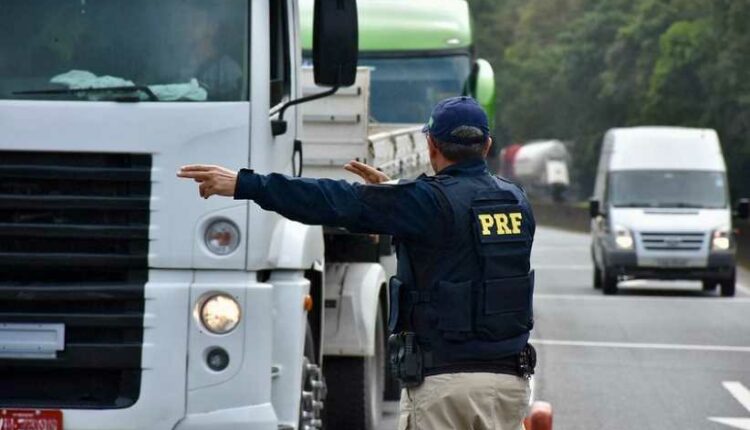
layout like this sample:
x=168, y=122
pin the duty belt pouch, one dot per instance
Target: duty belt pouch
x=527, y=361
x=406, y=359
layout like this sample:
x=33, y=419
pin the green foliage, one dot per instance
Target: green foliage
x=571, y=69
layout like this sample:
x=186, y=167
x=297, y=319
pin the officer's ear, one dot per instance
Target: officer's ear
x=487, y=146
x=432, y=147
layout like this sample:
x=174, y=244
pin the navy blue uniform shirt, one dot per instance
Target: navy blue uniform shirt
x=409, y=210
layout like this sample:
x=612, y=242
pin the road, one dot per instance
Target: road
x=656, y=356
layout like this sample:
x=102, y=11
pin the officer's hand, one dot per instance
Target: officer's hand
x=212, y=179
x=370, y=174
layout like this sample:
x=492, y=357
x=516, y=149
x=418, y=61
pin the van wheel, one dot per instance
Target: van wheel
x=609, y=283
x=728, y=286
x=709, y=284
x=597, y=278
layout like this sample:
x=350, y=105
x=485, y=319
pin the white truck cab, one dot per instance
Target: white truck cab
x=126, y=301
x=661, y=209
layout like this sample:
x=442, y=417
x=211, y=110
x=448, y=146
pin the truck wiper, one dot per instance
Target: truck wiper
x=634, y=205
x=122, y=89
x=681, y=205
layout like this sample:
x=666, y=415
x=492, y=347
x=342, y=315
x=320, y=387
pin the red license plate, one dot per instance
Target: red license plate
x=30, y=419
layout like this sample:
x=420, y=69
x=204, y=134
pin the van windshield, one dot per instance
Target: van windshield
x=667, y=189
x=187, y=50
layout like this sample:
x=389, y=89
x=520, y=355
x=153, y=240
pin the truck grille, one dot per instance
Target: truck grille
x=74, y=250
x=672, y=241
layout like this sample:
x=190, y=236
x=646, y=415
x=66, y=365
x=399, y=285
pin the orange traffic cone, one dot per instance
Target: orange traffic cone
x=540, y=417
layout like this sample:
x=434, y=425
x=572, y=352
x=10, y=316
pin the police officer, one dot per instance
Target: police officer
x=461, y=300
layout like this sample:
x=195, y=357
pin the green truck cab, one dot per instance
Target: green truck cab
x=421, y=51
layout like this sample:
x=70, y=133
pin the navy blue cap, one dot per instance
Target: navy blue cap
x=455, y=112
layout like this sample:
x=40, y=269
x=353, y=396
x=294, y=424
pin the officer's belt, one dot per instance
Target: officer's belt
x=506, y=365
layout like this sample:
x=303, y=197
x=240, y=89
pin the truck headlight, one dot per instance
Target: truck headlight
x=623, y=238
x=720, y=240
x=222, y=237
x=220, y=314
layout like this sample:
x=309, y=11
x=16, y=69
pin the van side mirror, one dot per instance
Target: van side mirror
x=335, y=42
x=743, y=209
x=481, y=86
x=594, y=208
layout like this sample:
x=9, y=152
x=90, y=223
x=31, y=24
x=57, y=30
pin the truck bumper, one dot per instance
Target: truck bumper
x=256, y=417
x=178, y=391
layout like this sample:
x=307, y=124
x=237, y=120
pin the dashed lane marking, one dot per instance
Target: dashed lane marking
x=635, y=345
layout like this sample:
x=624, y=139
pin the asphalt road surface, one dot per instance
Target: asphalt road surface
x=660, y=355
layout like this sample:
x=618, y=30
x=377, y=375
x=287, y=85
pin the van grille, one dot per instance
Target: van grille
x=74, y=250
x=673, y=241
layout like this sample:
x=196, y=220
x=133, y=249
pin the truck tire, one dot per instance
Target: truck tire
x=597, y=278
x=609, y=283
x=356, y=386
x=728, y=286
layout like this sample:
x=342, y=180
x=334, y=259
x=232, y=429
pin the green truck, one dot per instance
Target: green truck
x=421, y=51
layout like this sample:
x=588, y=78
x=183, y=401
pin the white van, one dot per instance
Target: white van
x=661, y=209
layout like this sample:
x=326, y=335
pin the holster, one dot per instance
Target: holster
x=406, y=359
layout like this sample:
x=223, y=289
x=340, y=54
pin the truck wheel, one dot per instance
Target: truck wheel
x=709, y=284
x=313, y=388
x=609, y=283
x=728, y=285
x=356, y=385
x=597, y=278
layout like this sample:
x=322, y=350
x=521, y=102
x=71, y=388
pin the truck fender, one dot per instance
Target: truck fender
x=295, y=245
x=352, y=296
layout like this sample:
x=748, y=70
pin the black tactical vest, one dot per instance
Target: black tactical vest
x=469, y=300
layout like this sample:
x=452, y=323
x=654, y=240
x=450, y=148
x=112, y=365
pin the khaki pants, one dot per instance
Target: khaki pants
x=465, y=401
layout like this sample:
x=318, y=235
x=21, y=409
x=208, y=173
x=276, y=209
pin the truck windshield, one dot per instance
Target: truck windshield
x=183, y=50
x=404, y=89
x=668, y=189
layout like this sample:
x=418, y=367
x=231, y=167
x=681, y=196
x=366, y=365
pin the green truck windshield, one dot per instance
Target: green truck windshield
x=182, y=50
x=404, y=89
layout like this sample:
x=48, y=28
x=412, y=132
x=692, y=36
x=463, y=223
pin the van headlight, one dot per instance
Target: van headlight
x=623, y=238
x=721, y=239
x=220, y=314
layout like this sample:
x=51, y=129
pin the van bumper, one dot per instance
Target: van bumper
x=719, y=266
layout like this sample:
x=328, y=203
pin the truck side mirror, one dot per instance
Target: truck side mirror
x=743, y=209
x=481, y=86
x=594, y=208
x=335, y=42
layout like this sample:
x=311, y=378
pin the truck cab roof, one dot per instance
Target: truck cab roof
x=407, y=26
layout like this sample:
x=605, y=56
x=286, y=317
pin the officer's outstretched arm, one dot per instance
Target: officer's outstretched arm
x=407, y=210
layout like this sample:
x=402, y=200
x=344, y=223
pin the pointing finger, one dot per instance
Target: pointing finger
x=202, y=176
x=197, y=168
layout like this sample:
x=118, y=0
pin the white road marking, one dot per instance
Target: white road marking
x=742, y=395
x=561, y=267
x=577, y=298
x=634, y=345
